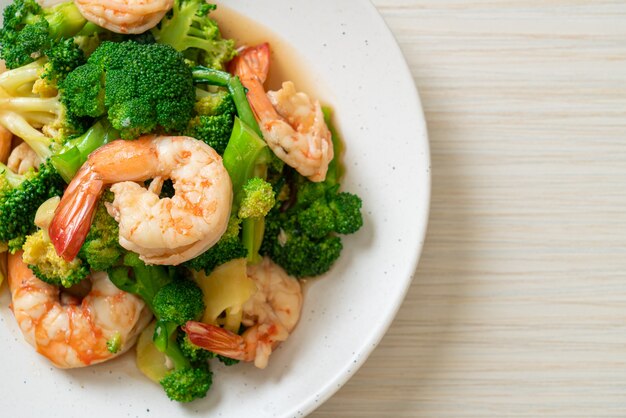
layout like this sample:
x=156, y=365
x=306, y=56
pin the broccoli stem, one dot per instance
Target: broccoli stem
x=65, y=20
x=18, y=126
x=13, y=79
x=246, y=157
x=74, y=154
x=12, y=178
x=223, y=79
x=165, y=341
x=31, y=104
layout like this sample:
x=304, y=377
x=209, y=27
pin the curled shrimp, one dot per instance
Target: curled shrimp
x=162, y=231
x=124, y=16
x=270, y=315
x=22, y=159
x=292, y=124
x=71, y=333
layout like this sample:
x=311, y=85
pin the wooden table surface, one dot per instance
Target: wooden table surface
x=518, y=307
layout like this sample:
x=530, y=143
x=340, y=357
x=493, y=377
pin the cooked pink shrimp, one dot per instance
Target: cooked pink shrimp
x=292, y=124
x=68, y=332
x=271, y=314
x=22, y=159
x=162, y=231
x=124, y=16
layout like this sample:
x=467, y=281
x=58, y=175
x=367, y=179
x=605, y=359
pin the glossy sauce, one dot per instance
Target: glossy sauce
x=286, y=64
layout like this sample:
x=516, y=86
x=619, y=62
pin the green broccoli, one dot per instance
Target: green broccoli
x=175, y=304
x=212, y=130
x=258, y=199
x=63, y=57
x=299, y=254
x=101, y=249
x=21, y=196
x=189, y=29
x=30, y=31
x=229, y=247
x=179, y=301
x=140, y=87
x=48, y=266
x=213, y=120
x=209, y=103
x=186, y=383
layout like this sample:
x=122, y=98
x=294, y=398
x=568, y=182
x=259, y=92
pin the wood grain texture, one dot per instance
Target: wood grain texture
x=519, y=303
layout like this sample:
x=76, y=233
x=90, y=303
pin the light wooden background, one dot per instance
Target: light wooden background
x=519, y=304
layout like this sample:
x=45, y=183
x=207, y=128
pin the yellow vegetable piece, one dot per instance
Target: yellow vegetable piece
x=150, y=361
x=225, y=290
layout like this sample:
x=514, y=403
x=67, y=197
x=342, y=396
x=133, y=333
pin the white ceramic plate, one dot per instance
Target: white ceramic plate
x=356, y=66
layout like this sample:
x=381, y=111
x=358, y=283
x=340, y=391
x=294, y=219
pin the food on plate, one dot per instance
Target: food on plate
x=149, y=197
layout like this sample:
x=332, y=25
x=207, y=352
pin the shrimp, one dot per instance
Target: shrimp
x=270, y=315
x=162, y=231
x=23, y=159
x=292, y=124
x=124, y=16
x=68, y=332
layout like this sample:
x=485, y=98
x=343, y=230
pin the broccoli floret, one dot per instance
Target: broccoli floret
x=258, y=199
x=178, y=302
x=347, y=210
x=318, y=220
x=30, y=32
x=62, y=59
x=215, y=103
x=229, y=247
x=175, y=304
x=140, y=87
x=48, y=266
x=82, y=91
x=21, y=196
x=299, y=254
x=101, y=249
x=187, y=384
x=212, y=130
x=213, y=120
x=189, y=29
x=302, y=238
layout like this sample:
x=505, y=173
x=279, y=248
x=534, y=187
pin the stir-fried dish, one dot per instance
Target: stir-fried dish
x=154, y=194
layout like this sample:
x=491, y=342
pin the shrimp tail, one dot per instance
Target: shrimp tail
x=217, y=340
x=74, y=215
x=251, y=66
x=257, y=59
